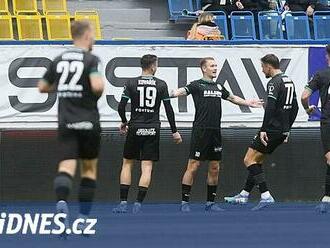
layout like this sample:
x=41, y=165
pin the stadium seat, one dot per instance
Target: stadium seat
x=270, y=25
x=321, y=21
x=242, y=25
x=53, y=5
x=24, y=6
x=93, y=18
x=221, y=21
x=4, y=6
x=6, y=27
x=29, y=27
x=177, y=6
x=58, y=26
x=297, y=26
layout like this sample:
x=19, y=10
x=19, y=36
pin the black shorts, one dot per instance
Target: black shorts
x=79, y=144
x=274, y=140
x=142, y=143
x=325, y=137
x=205, y=144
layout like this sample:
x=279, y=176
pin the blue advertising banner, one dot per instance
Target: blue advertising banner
x=316, y=61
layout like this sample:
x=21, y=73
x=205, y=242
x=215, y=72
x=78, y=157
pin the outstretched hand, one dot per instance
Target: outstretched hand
x=255, y=103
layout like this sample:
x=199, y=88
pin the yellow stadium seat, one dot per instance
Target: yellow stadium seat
x=53, y=5
x=93, y=18
x=29, y=27
x=6, y=27
x=4, y=6
x=25, y=6
x=58, y=26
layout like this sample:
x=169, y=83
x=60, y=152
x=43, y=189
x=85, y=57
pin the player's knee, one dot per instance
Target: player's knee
x=247, y=161
x=214, y=169
x=193, y=166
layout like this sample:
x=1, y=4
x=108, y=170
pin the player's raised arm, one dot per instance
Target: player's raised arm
x=253, y=103
x=178, y=92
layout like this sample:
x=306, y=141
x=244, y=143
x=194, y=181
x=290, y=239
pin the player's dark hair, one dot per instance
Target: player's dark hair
x=204, y=61
x=271, y=59
x=147, y=61
x=327, y=48
x=78, y=29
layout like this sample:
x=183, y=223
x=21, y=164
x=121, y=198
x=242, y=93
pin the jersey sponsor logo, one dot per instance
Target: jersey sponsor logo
x=146, y=132
x=142, y=110
x=212, y=93
x=84, y=125
x=218, y=149
x=70, y=94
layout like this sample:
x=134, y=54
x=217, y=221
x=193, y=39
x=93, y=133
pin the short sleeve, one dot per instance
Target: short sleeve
x=95, y=67
x=126, y=92
x=314, y=83
x=164, y=94
x=49, y=76
x=273, y=90
x=191, y=88
x=225, y=92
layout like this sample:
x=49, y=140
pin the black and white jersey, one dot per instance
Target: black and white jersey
x=70, y=74
x=321, y=82
x=146, y=94
x=282, y=96
x=207, y=97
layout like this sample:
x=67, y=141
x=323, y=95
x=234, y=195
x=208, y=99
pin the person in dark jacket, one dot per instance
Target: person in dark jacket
x=254, y=5
x=219, y=5
x=309, y=6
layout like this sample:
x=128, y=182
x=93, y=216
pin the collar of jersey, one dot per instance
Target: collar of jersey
x=207, y=81
x=147, y=76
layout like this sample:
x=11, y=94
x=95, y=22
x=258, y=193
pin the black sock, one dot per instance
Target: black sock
x=327, y=181
x=249, y=184
x=186, y=192
x=141, y=194
x=211, y=192
x=62, y=186
x=86, y=195
x=124, y=192
x=259, y=176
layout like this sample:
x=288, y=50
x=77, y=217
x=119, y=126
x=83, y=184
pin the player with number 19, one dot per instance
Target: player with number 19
x=142, y=142
x=280, y=113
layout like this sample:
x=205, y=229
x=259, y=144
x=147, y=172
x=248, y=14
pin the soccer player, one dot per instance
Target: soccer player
x=76, y=78
x=206, y=133
x=321, y=82
x=146, y=93
x=280, y=113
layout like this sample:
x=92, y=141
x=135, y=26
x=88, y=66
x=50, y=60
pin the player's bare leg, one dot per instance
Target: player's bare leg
x=325, y=201
x=187, y=182
x=212, y=184
x=145, y=179
x=125, y=183
x=63, y=186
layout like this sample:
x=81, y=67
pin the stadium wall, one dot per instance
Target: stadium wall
x=28, y=119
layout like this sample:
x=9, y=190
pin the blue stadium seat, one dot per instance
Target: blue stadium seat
x=221, y=21
x=297, y=26
x=242, y=25
x=270, y=25
x=321, y=22
x=325, y=2
x=177, y=6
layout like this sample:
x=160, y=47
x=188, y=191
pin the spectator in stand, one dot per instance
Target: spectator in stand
x=205, y=29
x=256, y=5
x=226, y=6
x=309, y=6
